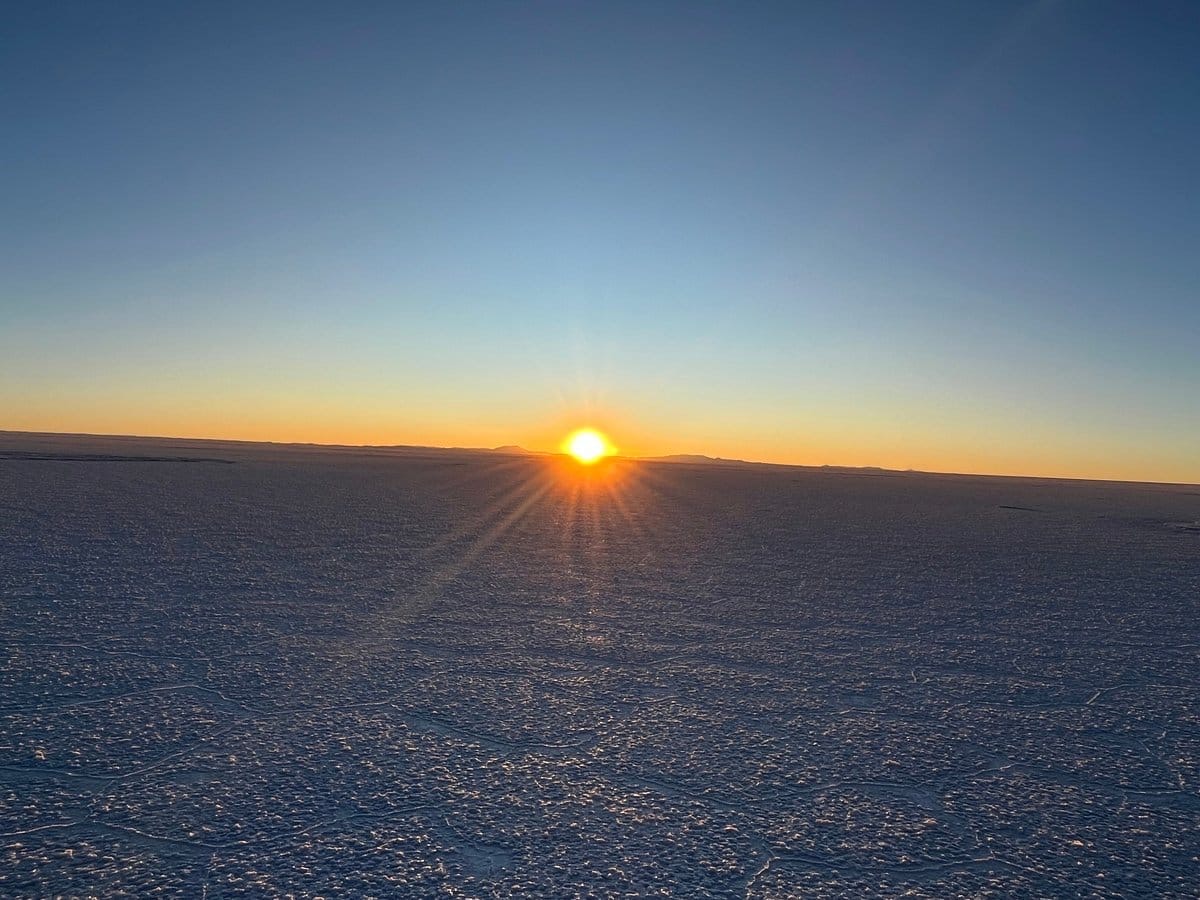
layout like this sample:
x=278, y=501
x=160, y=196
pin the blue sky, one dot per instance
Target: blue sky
x=938, y=235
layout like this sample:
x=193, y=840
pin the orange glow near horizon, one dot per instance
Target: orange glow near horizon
x=336, y=421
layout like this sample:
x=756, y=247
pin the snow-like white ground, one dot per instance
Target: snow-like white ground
x=470, y=675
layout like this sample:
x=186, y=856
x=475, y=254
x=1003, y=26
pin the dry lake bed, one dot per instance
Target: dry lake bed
x=240, y=670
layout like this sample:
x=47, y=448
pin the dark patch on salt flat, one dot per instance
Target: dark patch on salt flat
x=1185, y=527
x=39, y=456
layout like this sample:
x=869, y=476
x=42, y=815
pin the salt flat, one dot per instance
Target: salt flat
x=232, y=670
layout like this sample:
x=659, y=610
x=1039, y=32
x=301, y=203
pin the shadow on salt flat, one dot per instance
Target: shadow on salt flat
x=39, y=456
x=482, y=860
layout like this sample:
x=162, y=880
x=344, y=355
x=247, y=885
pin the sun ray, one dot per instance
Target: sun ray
x=499, y=500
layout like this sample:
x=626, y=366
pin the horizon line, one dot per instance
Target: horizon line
x=668, y=458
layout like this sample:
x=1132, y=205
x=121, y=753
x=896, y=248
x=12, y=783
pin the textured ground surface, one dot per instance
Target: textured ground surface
x=473, y=676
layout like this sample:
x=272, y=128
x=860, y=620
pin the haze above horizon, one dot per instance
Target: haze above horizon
x=939, y=236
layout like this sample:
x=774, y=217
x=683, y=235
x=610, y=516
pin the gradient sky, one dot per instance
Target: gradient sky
x=951, y=236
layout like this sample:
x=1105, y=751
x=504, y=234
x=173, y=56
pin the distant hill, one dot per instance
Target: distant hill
x=701, y=459
x=515, y=450
x=692, y=458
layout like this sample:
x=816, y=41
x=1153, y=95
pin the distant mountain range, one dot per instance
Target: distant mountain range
x=693, y=458
x=16, y=445
x=518, y=450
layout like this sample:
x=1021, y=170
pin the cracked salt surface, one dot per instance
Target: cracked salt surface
x=350, y=674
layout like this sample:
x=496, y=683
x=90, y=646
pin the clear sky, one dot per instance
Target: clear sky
x=953, y=236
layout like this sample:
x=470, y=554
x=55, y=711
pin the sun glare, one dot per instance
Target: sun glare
x=587, y=445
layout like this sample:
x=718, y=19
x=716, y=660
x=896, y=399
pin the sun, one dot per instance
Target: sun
x=587, y=445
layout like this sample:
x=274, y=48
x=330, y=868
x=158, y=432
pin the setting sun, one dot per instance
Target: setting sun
x=587, y=445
